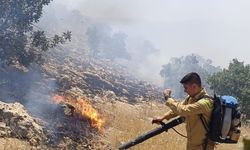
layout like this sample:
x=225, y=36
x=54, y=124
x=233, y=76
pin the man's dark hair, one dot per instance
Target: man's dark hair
x=191, y=78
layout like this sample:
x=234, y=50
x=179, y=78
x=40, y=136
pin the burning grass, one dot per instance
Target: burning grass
x=82, y=107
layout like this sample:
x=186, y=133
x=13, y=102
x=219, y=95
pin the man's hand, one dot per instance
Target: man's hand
x=167, y=93
x=157, y=120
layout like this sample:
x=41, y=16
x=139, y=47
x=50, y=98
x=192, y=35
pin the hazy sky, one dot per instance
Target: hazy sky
x=215, y=29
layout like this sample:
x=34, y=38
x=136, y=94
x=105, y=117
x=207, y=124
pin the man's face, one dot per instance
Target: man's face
x=190, y=89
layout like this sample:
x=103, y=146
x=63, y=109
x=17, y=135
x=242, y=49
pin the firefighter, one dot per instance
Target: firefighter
x=197, y=104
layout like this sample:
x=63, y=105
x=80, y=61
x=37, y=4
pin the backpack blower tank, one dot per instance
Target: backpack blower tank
x=229, y=103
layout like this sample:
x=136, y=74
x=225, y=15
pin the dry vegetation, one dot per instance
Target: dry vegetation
x=125, y=122
x=128, y=121
x=13, y=144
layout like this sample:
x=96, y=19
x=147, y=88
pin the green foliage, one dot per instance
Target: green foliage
x=235, y=81
x=178, y=67
x=40, y=40
x=19, y=43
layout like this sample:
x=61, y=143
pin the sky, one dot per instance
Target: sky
x=215, y=29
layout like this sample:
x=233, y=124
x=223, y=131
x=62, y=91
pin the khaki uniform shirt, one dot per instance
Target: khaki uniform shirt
x=190, y=108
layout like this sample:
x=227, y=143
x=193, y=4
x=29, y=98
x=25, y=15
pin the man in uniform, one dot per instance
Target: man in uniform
x=196, y=109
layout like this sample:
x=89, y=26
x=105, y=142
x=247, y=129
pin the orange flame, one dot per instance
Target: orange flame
x=58, y=99
x=84, y=108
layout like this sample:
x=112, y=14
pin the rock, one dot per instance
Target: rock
x=3, y=133
x=16, y=122
x=110, y=96
x=68, y=109
x=2, y=125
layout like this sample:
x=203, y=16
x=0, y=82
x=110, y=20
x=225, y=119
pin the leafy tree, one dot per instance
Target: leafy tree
x=19, y=42
x=235, y=81
x=104, y=43
x=95, y=37
x=178, y=67
x=115, y=47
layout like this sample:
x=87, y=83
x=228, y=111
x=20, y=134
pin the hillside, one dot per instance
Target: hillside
x=62, y=97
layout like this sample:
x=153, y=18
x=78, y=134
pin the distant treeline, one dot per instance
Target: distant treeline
x=234, y=80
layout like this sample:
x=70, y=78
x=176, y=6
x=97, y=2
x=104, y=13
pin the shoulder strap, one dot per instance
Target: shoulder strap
x=203, y=120
x=207, y=129
x=205, y=124
x=207, y=96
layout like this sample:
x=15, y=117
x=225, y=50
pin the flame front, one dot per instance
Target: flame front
x=87, y=110
x=84, y=108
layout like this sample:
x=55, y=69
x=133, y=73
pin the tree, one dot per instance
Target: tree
x=178, y=67
x=235, y=81
x=19, y=42
x=93, y=40
x=115, y=47
x=104, y=43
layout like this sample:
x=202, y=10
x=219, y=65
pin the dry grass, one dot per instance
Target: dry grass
x=125, y=122
x=13, y=144
x=128, y=121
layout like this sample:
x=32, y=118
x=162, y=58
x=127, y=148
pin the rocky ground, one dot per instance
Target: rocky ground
x=16, y=122
x=29, y=117
x=62, y=132
x=93, y=76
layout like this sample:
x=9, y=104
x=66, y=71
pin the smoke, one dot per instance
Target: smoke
x=39, y=96
x=173, y=29
x=217, y=30
x=144, y=62
x=115, y=12
x=31, y=88
x=96, y=37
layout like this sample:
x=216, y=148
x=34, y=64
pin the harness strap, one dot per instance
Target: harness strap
x=205, y=124
x=206, y=128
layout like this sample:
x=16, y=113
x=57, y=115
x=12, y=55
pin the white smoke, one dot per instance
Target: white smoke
x=213, y=30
